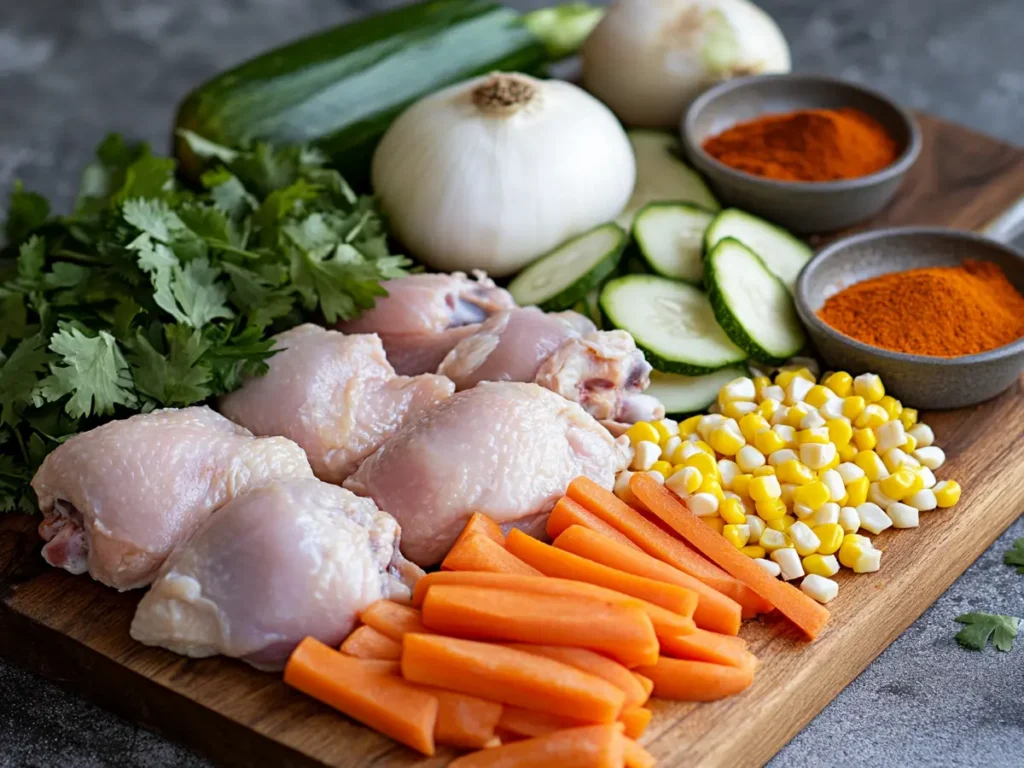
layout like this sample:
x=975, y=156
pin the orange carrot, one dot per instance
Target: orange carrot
x=364, y=691
x=665, y=622
x=794, y=604
x=595, y=664
x=465, y=721
x=477, y=552
x=706, y=646
x=685, y=680
x=645, y=682
x=482, y=524
x=508, y=676
x=527, y=722
x=568, y=513
x=565, y=565
x=622, y=631
x=635, y=720
x=367, y=643
x=714, y=612
x=635, y=756
x=590, y=746
x=392, y=619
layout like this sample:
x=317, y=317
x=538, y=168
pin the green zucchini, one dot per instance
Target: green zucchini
x=670, y=237
x=341, y=89
x=683, y=395
x=783, y=253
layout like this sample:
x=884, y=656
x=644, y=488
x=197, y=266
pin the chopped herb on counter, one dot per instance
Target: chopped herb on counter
x=979, y=627
x=1015, y=556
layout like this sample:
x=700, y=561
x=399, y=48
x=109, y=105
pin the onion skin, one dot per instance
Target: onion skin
x=648, y=59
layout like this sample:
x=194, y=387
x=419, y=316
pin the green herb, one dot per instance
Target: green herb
x=979, y=627
x=154, y=295
x=1015, y=556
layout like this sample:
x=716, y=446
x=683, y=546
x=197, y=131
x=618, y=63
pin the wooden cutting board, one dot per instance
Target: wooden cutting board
x=75, y=631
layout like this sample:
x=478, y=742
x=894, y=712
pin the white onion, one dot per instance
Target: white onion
x=648, y=59
x=493, y=172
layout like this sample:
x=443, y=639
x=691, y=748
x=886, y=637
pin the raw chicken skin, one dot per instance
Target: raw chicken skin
x=601, y=370
x=335, y=395
x=424, y=316
x=117, y=499
x=508, y=450
x=297, y=558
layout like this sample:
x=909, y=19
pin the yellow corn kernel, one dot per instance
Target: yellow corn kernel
x=817, y=565
x=767, y=408
x=818, y=395
x=840, y=382
x=908, y=417
x=782, y=523
x=831, y=537
x=725, y=441
x=763, y=488
x=770, y=509
x=892, y=406
x=737, y=535
x=741, y=485
x=702, y=446
x=662, y=430
x=813, y=435
x=751, y=424
x=918, y=483
x=715, y=523
x=813, y=495
x=793, y=471
x=872, y=416
x=839, y=432
x=687, y=483
x=857, y=492
x=766, y=470
x=835, y=462
x=897, y=485
x=847, y=452
x=689, y=426
x=853, y=406
x=909, y=444
x=769, y=441
x=706, y=464
x=710, y=485
x=643, y=430
x=872, y=465
x=865, y=439
x=732, y=511
x=947, y=493
x=853, y=546
x=760, y=382
x=784, y=377
x=663, y=468
x=869, y=386
x=737, y=409
x=796, y=414
x=753, y=550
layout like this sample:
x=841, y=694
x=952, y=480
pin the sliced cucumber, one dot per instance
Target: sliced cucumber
x=782, y=252
x=670, y=236
x=672, y=322
x=590, y=307
x=662, y=176
x=752, y=304
x=563, y=277
x=683, y=395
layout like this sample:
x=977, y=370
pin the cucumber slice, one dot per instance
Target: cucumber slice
x=662, y=176
x=670, y=236
x=590, y=307
x=752, y=304
x=782, y=252
x=563, y=277
x=672, y=322
x=683, y=395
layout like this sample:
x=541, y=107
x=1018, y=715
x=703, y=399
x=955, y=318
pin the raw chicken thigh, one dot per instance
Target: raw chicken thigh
x=297, y=558
x=505, y=449
x=117, y=499
x=601, y=370
x=335, y=395
x=424, y=316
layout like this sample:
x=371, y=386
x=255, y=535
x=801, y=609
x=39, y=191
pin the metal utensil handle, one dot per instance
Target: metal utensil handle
x=1007, y=226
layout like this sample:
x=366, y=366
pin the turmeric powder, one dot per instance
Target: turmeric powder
x=939, y=311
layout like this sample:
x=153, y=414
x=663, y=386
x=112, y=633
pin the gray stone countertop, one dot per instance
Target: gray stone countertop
x=72, y=70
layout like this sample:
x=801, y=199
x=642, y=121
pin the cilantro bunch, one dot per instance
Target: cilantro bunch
x=152, y=295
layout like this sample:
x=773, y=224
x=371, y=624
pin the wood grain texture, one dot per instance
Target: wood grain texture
x=76, y=631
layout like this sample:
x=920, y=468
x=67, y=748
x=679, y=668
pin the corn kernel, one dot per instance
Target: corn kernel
x=700, y=445
x=737, y=409
x=908, y=417
x=732, y=511
x=782, y=455
x=873, y=466
x=849, y=520
x=869, y=386
x=670, y=446
x=840, y=382
x=793, y=471
x=865, y=439
x=789, y=563
x=770, y=509
x=872, y=416
x=741, y=485
x=819, y=455
x=727, y=471
x=768, y=441
x=760, y=382
x=802, y=511
x=737, y=535
x=764, y=471
x=688, y=426
x=847, y=452
x=909, y=444
x=899, y=484
x=931, y=456
x=710, y=485
x=781, y=523
x=684, y=482
x=888, y=436
x=771, y=539
x=787, y=493
x=716, y=524
x=645, y=453
x=831, y=537
x=753, y=550
x=853, y=406
x=853, y=546
x=663, y=468
x=839, y=432
x=818, y=395
x=705, y=463
x=814, y=495
x=709, y=422
x=869, y=561
x=786, y=375
x=828, y=514
x=767, y=408
x=703, y=505
x=857, y=492
x=836, y=487
x=812, y=420
x=748, y=458
x=833, y=409
x=751, y=424
x=947, y=493
x=643, y=431
x=796, y=414
x=756, y=525
x=892, y=406
x=821, y=564
x=738, y=389
x=814, y=435
x=896, y=458
x=787, y=433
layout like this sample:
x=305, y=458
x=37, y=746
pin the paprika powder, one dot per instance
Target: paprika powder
x=939, y=311
x=807, y=145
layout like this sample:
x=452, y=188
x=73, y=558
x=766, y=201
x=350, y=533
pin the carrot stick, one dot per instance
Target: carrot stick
x=685, y=680
x=482, y=524
x=364, y=691
x=595, y=664
x=568, y=513
x=706, y=646
x=508, y=676
x=714, y=611
x=645, y=682
x=635, y=720
x=635, y=756
x=622, y=631
x=465, y=721
x=665, y=622
x=392, y=619
x=794, y=604
x=590, y=746
x=527, y=722
x=368, y=643
x=477, y=552
x=565, y=565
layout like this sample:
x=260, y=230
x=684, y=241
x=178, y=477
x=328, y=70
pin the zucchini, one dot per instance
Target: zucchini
x=662, y=176
x=752, y=304
x=672, y=322
x=670, y=237
x=565, y=276
x=340, y=89
x=683, y=395
x=782, y=252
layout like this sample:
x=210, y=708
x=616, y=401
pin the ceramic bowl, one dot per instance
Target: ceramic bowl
x=798, y=205
x=917, y=380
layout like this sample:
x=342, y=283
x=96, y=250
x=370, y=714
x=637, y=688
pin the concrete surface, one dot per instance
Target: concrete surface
x=71, y=70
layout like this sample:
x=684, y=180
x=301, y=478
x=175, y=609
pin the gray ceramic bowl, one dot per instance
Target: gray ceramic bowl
x=917, y=380
x=799, y=205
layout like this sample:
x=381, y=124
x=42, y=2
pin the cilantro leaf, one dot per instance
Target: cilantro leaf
x=152, y=217
x=92, y=370
x=26, y=211
x=19, y=375
x=31, y=259
x=175, y=376
x=199, y=294
x=1015, y=556
x=979, y=627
